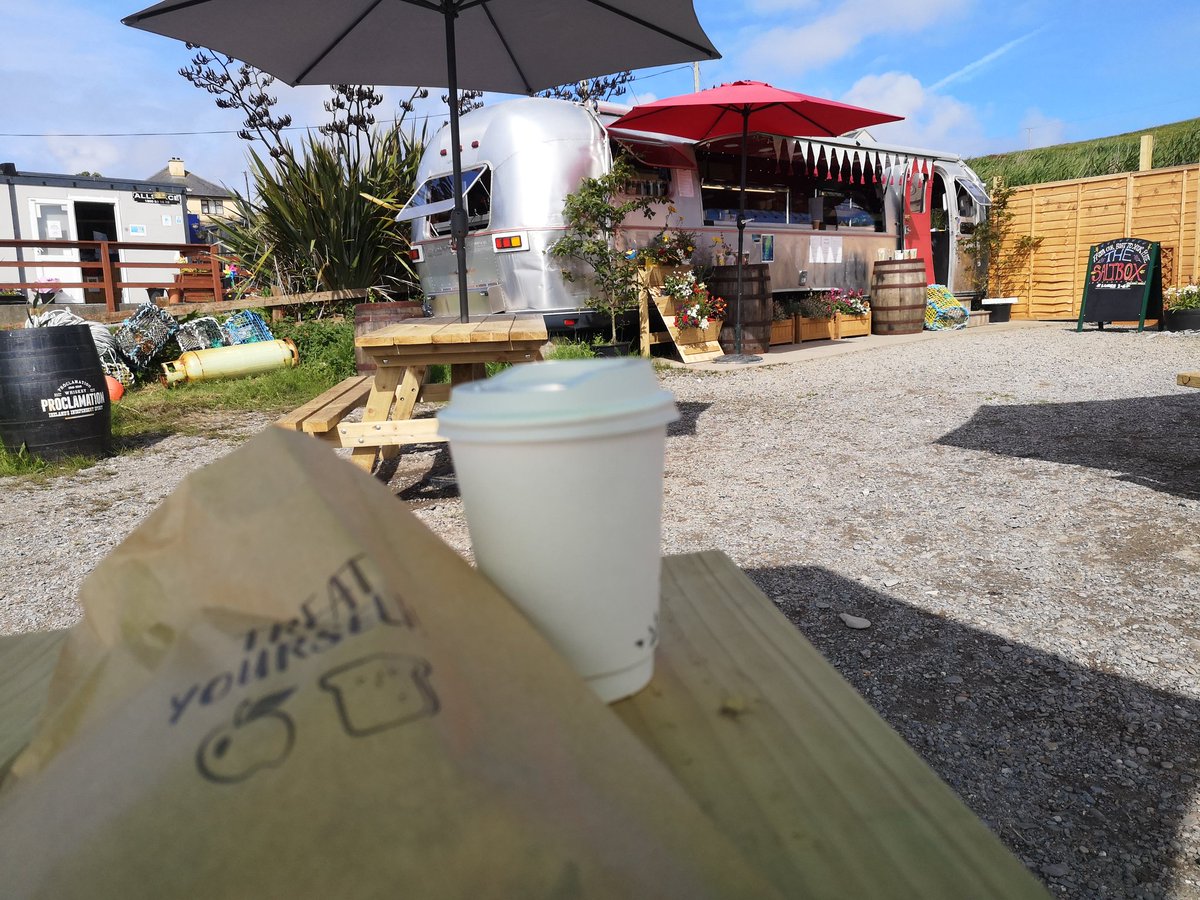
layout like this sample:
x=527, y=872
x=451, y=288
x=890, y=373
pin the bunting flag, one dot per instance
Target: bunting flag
x=777, y=144
x=833, y=164
x=821, y=161
x=812, y=160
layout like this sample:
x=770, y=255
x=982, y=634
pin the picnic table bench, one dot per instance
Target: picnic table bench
x=1188, y=379
x=402, y=354
x=785, y=758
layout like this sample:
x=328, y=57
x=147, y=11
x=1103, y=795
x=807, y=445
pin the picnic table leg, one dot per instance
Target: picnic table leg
x=379, y=405
x=406, y=398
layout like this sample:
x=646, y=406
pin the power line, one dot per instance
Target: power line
x=116, y=134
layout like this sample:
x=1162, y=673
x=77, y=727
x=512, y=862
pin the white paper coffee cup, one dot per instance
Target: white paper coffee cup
x=560, y=467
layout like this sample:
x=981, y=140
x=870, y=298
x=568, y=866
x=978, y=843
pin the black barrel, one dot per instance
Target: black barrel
x=756, y=306
x=53, y=397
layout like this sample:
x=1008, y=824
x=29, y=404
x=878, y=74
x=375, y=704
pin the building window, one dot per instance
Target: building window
x=212, y=207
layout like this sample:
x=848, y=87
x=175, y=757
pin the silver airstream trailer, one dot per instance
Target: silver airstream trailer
x=820, y=212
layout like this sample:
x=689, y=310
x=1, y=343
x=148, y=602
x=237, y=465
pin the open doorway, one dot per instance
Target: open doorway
x=95, y=221
x=939, y=230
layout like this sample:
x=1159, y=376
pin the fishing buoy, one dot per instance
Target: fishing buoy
x=116, y=390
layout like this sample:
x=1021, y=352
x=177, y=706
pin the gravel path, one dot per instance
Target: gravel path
x=1014, y=510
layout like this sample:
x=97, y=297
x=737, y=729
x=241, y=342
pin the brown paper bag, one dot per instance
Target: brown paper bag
x=285, y=686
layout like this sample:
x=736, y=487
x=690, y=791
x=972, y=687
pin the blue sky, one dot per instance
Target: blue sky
x=970, y=76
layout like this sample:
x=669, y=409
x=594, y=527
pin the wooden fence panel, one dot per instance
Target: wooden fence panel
x=1070, y=216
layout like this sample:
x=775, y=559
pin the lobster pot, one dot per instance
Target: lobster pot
x=143, y=335
x=756, y=306
x=246, y=327
x=199, y=334
x=53, y=398
x=370, y=317
x=898, y=296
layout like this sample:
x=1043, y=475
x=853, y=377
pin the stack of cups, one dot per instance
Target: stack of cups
x=560, y=467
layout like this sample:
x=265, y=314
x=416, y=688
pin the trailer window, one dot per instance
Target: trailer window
x=970, y=195
x=434, y=199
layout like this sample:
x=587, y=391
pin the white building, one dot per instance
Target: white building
x=38, y=206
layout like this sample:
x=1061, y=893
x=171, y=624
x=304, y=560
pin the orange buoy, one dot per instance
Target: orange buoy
x=116, y=390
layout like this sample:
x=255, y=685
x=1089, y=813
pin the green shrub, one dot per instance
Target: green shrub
x=326, y=346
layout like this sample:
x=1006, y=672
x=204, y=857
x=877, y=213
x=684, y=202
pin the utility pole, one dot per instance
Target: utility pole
x=696, y=77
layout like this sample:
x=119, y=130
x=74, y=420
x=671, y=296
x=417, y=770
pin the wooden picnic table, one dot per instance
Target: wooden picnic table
x=789, y=762
x=402, y=354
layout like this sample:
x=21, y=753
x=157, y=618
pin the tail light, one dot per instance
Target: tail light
x=511, y=242
x=416, y=253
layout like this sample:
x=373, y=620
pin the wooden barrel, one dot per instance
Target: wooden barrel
x=370, y=317
x=898, y=296
x=53, y=397
x=756, y=306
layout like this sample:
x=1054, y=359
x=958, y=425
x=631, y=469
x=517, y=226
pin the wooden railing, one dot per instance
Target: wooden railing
x=199, y=267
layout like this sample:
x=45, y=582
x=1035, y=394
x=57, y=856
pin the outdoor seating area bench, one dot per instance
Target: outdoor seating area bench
x=321, y=415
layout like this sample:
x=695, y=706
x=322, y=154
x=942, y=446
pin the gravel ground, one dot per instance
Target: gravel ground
x=1013, y=510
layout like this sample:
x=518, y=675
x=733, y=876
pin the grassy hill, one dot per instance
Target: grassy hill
x=1174, y=145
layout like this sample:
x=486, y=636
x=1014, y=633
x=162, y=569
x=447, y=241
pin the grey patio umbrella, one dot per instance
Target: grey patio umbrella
x=507, y=46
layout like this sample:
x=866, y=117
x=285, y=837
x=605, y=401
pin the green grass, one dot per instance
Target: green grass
x=1176, y=144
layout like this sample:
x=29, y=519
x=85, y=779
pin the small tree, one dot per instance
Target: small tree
x=591, y=90
x=998, y=254
x=593, y=215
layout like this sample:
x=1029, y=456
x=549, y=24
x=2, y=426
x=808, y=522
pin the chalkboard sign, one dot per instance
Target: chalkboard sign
x=1123, y=283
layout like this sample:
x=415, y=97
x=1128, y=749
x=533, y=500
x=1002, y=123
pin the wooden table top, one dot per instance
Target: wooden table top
x=502, y=330
x=789, y=762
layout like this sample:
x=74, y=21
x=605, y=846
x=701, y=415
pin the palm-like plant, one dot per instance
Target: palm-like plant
x=312, y=223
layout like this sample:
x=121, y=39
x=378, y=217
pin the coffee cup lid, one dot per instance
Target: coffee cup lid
x=559, y=399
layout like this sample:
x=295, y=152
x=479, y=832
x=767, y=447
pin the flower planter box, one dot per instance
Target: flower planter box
x=783, y=331
x=853, y=326
x=687, y=336
x=816, y=329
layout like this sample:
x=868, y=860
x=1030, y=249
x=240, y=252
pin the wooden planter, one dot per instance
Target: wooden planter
x=816, y=329
x=692, y=336
x=853, y=326
x=692, y=344
x=783, y=331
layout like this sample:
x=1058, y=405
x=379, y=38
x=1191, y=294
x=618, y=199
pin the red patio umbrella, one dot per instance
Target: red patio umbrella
x=742, y=107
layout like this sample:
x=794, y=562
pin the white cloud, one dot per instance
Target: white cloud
x=839, y=32
x=931, y=120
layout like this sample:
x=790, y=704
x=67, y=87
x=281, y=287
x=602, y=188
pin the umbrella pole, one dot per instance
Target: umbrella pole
x=458, y=217
x=737, y=356
x=741, y=226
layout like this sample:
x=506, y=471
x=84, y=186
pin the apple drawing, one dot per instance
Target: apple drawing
x=259, y=736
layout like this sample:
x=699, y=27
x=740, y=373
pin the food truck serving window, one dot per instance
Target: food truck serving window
x=434, y=199
x=783, y=189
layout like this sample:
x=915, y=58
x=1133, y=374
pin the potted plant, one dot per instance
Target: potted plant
x=852, y=313
x=670, y=247
x=815, y=320
x=722, y=253
x=1181, y=308
x=593, y=213
x=783, y=324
